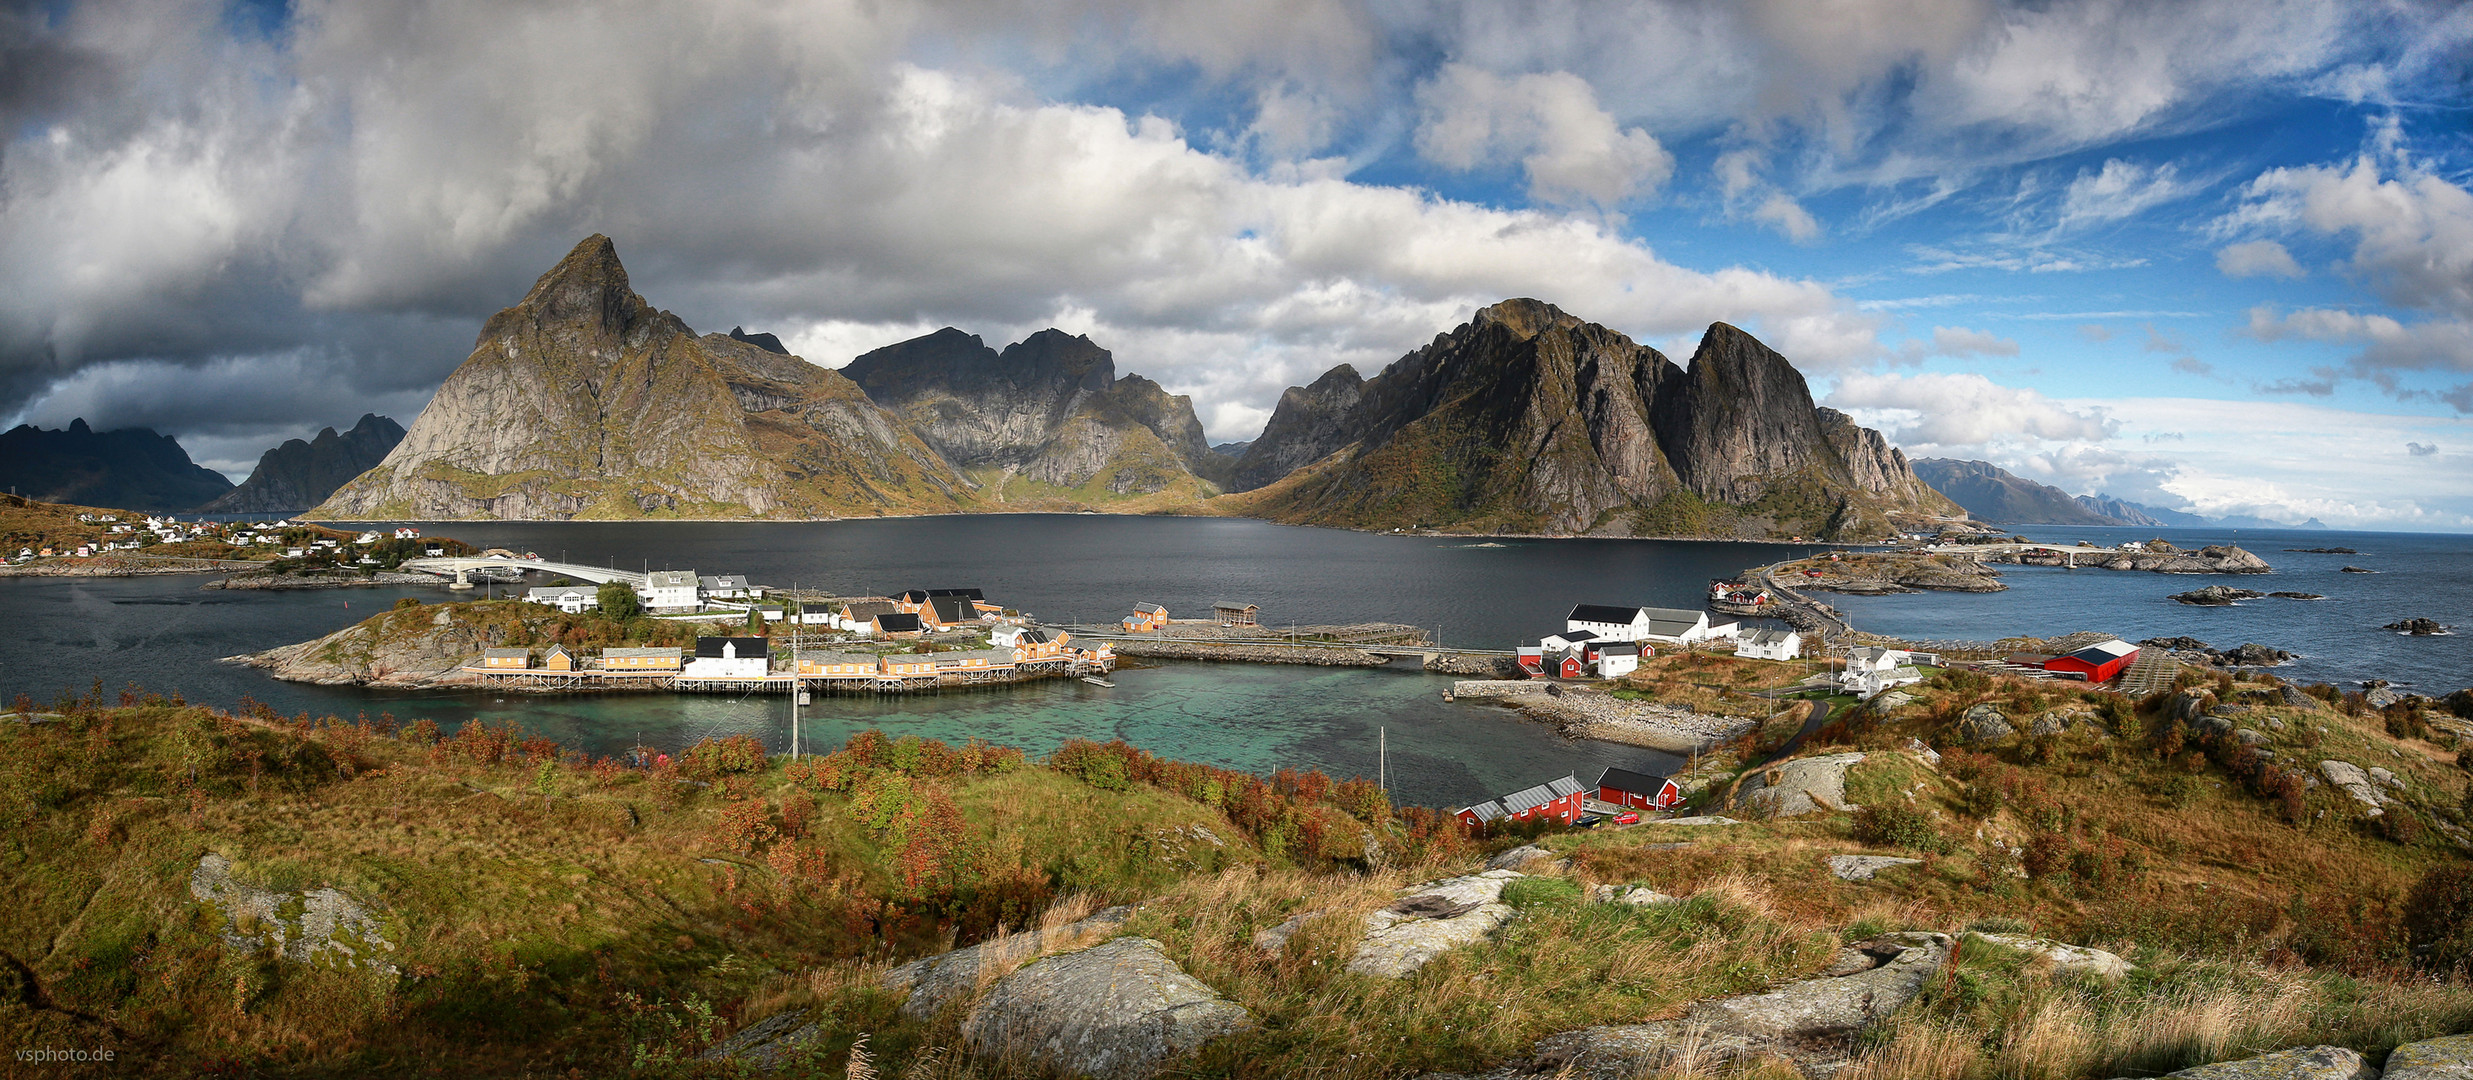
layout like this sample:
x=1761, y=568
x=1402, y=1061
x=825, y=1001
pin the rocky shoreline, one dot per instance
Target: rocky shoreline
x=321, y=581
x=102, y=567
x=1593, y=714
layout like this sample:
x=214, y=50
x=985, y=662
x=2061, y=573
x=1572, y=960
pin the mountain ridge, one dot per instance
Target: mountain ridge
x=300, y=474
x=132, y=468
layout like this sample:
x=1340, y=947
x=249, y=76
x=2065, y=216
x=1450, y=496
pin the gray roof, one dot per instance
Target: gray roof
x=1226, y=606
x=1149, y=609
x=1486, y=811
x=1767, y=637
x=817, y=656
x=1618, y=648
x=506, y=652
x=665, y=653
x=863, y=610
x=670, y=579
x=553, y=592
x=723, y=581
x=1527, y=799
x=993, y=656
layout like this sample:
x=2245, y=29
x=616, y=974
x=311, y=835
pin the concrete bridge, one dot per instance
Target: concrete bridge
x=459, y=567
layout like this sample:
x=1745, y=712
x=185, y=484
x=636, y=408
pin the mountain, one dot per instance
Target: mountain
x=1045, y=423
x=1989, y=492
x=584, y=401
x=132, y=468
x=1530, y=420
x=2121, y=511
x=298, y=475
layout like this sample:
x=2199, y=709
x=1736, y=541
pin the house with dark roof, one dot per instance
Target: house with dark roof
x=896, y=624
x=1684, y=626
x=948, y=611
x=730, y=658
x=1610, y=623
x=1624, y=787
x=2097, y=663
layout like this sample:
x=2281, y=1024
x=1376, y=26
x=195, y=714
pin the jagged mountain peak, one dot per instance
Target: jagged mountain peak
x=588, y=286
x=1523, y=317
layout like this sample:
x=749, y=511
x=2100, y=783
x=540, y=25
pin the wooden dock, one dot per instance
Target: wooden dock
x=592, y=679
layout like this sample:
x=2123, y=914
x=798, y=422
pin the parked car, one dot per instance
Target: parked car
x=1627, y=817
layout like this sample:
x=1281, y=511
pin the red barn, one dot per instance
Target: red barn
x=1624, y=787
x=1533, y=660
x=2097, y=663
x=1482, y=814
x=1559, y=799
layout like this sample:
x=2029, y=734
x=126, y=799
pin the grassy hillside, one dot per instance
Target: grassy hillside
x=549, y=914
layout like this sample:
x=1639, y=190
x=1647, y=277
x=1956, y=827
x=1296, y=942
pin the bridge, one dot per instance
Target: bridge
x=459, y=567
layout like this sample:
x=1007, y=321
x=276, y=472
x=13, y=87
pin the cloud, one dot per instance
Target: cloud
x=1960, y=341
x=2421, y=449
x=2121, y=189
x=1575, y=153
x=2095, y=332
x=2258, y=258
x=1962, y=410
x=2412, y=228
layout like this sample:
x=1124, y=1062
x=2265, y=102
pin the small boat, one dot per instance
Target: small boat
x=1095, y=680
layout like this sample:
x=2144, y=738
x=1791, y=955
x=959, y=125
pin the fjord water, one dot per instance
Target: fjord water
x=166, y=634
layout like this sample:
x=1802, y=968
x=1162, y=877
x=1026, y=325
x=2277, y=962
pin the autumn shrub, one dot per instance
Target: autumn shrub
x=1898, y=825
x=712, y=759
x=2399, y=826
x=2438, y=917
x=745, y=827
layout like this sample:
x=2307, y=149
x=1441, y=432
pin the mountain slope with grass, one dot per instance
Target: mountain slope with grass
x=1529, y=420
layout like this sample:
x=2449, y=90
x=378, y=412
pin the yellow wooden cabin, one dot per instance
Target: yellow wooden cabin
x=557, y=659
x=505, y=659
x=640, y=659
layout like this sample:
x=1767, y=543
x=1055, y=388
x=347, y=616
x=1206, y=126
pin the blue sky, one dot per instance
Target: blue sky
x=2207, y=255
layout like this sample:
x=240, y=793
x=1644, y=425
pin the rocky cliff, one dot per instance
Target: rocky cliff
x=1045, y=423
x=1992, y=493
x=584, y=401
x=298, y=474
x=131, y=468
x=1527, y=419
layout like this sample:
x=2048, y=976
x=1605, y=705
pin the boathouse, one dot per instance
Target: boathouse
x=558, y=659
x=1482, y=814
x=897, y=624
x=861, y=614
x=1608, y=623
x=1770, y=645
x=974, y=660
x=1237, y=614
x=907, y=664
x=664, y=660
x=1623, y=787
x=2097, y=663
x=830, y=664
x=501, y=659
x=731, y=658
x=1558, y=799
x=1532, y=659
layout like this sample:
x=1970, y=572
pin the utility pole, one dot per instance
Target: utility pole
x=798, y=685
x=1382, y=768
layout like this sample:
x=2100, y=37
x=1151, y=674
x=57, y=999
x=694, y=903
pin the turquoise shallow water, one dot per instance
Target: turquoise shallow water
x=165, y=634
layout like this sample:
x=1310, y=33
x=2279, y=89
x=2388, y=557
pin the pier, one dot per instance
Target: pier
x=588, y=680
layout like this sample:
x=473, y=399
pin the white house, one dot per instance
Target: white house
x=407, y=533
x=1567, y=640
x=572, y=599
x=730, y=658
x=1608, y=623
x=1684, y=626
x=729, y=587
x=1770, y=645
x=671, y=590
x=1872, y=669
x=1617, y=659
x=369, y=538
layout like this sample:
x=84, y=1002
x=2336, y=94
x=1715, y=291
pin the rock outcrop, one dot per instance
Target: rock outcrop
x=2416, y=627
x=1866, y=867
x=298, y=475
x=1527, y=419
x=1430, y=920
x=768, y=1044
x=2065, y=958
x=2449, y=1058
x=2352, y=780
x=936, y=980
x=1798, y=787
x=2305, y=1063
x=2216, y=596
x=584, y=401
x=1805, y=1022
x=1117, y=1011
x=315, y=926
x=127, y=469
x=1046, y=421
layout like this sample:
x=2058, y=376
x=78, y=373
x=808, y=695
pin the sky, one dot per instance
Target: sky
x=2210, y=255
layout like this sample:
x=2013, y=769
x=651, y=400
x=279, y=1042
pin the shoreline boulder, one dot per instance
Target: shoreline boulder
x=1117, y=1011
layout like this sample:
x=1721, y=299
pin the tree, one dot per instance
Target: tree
x=755, y=621
x=619, y=601
x=545, y=781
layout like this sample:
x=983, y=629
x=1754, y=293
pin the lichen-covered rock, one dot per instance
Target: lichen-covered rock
x=1517, y=857
x=2305, y=1063
x=935, y=980
x=1984, y=723
x=1430, y=920
x=1117, y=1011
x=2449, y=1058
x=770, y=1043
x=2065, y=958
x=1636, y=896
x=1863, y=867
x=1834, y=1006
x=1694, y=821
x=1799, y=787
x=317, y=926
x=2350, y=778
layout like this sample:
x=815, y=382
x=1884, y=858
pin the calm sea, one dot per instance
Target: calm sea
x=166, y=634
